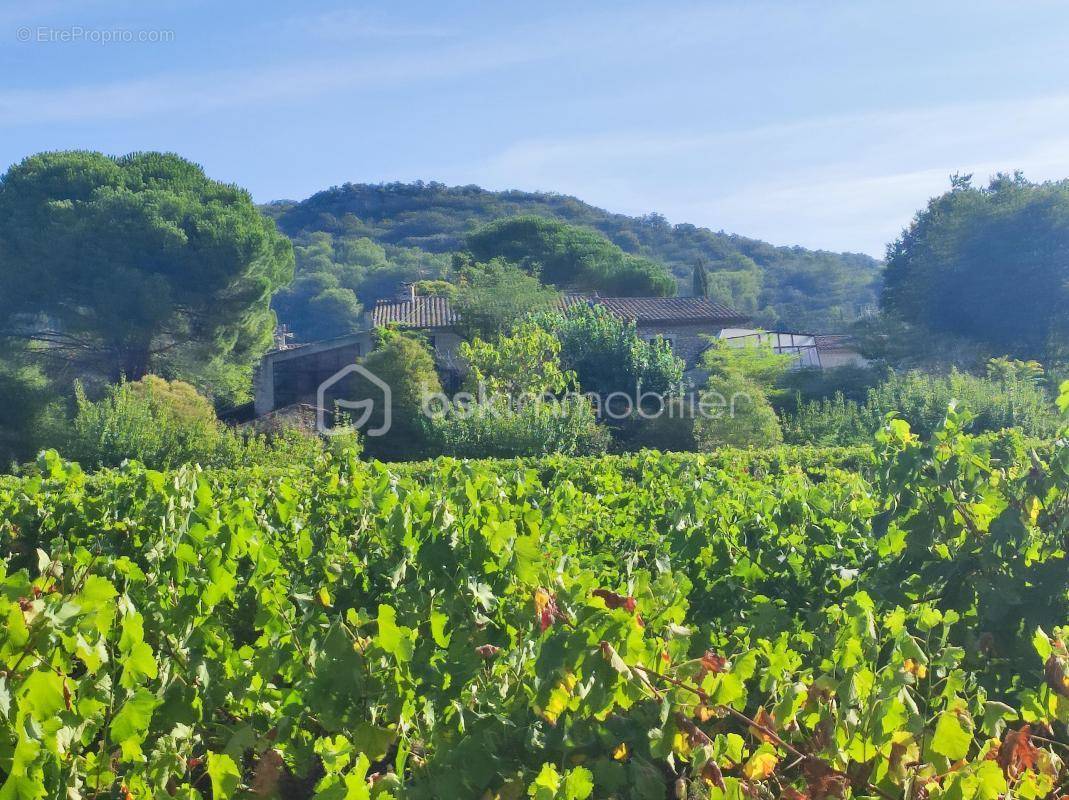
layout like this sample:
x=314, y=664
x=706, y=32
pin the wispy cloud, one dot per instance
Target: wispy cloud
x=347, y=24
x=199, y=93
x=844, y=182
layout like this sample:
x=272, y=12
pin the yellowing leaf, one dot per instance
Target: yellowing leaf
x=915, y=668
x=541, y=600
x=760, y=766
x=621, y=752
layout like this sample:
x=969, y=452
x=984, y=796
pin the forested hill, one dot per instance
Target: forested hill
x=787, y=286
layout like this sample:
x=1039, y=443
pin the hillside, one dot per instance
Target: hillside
x=787, y=286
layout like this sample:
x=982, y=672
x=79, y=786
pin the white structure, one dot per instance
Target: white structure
x=808, y=350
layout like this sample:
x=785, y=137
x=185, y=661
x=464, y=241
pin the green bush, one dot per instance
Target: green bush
x=670, y=431
x=404, y=362
x=503, y=430
x=996, y=403
x=800, y=386
x=28, y=410
x=157, y=422
x=607, y=355
x=164, y=424
x=738, y=414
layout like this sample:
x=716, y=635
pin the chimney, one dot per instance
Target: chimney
x=408, y=292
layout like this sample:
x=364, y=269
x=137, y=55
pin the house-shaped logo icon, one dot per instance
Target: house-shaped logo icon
x=364, y=407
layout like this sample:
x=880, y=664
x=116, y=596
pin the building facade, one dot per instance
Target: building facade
x=292, y=375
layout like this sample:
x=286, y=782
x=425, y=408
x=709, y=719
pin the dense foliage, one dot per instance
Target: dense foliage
x=493, y=296
x=607, y=356
x=791, y=286
x=994, y=403
x=638, y=628
x=500, y=428
x=120, y=265
x=570, y=257
x=340, y=273
x=163, y=424
x=989, y=265
x=404, y=362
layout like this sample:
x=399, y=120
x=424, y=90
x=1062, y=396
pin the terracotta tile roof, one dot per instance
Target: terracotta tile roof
x=419, y=312
x=663, y=309
x=436, y=312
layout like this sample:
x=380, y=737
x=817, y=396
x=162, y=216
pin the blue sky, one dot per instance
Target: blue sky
x=825, y=124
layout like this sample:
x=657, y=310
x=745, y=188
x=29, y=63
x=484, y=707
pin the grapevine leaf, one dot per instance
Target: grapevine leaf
x=951, y=738
x=224, y=775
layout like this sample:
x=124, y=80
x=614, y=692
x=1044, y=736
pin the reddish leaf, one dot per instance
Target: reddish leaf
x=714, y=663
x=487, y=650
x=822, y=780
x=614, y=600
x=711, y=772
x=1056, y=677
x=545, y=608
x=1017, y=753
x=765, y=726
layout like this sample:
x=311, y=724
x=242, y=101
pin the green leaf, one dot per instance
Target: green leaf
x=393, y=638
x=438, y=631
x=224, y=775
x=578, y=784
x=1041, y=642
x=41, y=695
x=131, y=723
x=138, y=660
x=952, y=738
x=991, y=783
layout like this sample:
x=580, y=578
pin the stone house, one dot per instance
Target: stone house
x=292, y=375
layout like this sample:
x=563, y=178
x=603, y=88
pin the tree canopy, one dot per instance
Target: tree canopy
x=570, y=257
x=988, y=264
x=119, y=264
x=791, y=286
x=494, y=296
x=607, y=355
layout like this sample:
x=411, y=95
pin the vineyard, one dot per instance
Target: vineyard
x=642, y=627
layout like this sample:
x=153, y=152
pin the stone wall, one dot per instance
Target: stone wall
x=688, y=339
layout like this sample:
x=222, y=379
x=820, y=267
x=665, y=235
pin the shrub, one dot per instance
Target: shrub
x=830, y=421
x=606, y=354
x=527, y=361
x=403, y=361
x=157, y=422
x=28, y=409
x=739, y=414
x=1009, y=401
x=670, y=431
x=800, y=386
x=503, y=430
x=164, y=424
